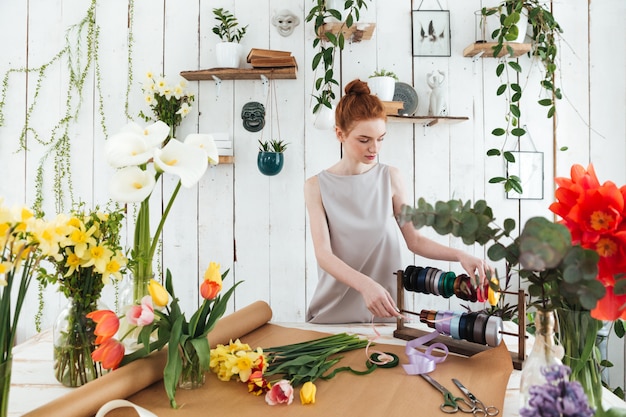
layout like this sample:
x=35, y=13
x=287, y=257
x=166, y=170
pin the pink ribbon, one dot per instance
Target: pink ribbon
x=424, y=362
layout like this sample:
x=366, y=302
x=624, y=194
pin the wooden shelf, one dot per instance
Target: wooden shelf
x=487, y=49
x=288, y=73
x=356, y=33
x=426, y=120
x=227, y=159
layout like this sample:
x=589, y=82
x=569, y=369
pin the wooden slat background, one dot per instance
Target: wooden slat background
x=257, y=225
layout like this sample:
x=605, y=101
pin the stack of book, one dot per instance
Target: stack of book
x=268, y=58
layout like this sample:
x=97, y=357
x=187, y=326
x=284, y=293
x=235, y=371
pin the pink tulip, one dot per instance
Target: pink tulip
x=281, y=393
x=141, y=315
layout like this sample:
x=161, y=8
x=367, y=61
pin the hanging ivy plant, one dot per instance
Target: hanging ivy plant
x=327, y=44
x=545, y=34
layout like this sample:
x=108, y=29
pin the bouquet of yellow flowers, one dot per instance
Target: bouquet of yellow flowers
x=25, y=241
x=90, y=255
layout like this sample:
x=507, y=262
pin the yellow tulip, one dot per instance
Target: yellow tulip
x=212, y=273
x=159, y=295
x=307, y=393
x=494, y=296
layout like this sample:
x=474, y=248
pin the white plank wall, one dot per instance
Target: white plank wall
x=257, y=225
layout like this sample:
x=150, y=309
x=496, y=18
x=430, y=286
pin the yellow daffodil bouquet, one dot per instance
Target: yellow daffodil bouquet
x=188, y=346
x=25, y=241
x=142, y=154
x=90, y=256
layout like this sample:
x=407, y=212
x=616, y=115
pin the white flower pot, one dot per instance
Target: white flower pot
x=324, y=118
x=485, y=25
x=383, y=87
x=228, y=54
x=337, y=5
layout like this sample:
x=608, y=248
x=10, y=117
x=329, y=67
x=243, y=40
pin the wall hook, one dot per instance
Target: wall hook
x=477, y=56
x=266, y=84
x=218, y=84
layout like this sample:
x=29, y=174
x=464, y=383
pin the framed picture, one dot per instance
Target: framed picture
x=431, y=32
x=528, y=166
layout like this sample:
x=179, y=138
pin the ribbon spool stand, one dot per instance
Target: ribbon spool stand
x=464, y=347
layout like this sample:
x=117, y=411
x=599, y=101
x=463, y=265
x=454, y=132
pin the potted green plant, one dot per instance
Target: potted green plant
x=270, y=159
x=326, y=45
x=543, y=39
x=228, y=51
x=382, y=83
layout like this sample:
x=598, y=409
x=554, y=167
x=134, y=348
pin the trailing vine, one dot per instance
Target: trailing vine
x=327, y=44
x=545, y=34
x=80, y=52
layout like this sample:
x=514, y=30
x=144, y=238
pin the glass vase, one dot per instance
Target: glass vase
x=134, y=289
x=192, y=375
x=578, y=333
x=5, y=386
x=73, y=343
x=545, y=352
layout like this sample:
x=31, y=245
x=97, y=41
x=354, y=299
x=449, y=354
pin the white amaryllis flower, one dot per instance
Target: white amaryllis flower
x=183, y=160
x=206, y=143
x=132, y=184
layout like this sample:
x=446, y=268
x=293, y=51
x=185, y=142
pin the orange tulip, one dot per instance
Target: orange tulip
x=107, y=324
x=110, y=354
x=212, y=284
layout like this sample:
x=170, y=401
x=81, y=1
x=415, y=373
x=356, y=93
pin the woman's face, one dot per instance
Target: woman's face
x=363, y=142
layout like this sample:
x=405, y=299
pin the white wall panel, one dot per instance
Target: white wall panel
x=257, y=225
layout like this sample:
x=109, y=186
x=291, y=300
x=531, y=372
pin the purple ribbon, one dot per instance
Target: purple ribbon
x=423, y=362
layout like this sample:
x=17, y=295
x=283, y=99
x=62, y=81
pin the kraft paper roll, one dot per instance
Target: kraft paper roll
x=137, y=375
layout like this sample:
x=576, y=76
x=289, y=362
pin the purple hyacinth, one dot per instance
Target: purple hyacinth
x=558, y=397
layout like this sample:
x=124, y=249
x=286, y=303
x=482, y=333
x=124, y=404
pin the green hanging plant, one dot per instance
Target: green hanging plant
x=81, y=55
x=327, y=43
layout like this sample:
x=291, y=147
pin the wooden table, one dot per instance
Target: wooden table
x=34, y=384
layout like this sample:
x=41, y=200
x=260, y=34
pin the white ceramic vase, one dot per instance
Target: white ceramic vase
x=324, y=118
x=485, y=25
x=383, y=87
x=228, y=54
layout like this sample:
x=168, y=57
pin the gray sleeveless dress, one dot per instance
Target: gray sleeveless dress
x=365, y=235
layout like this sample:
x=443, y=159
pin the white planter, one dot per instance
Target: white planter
x=228, y=54
x=485, y=25
x=383, y=87
x=324, y=118
x=337, y=5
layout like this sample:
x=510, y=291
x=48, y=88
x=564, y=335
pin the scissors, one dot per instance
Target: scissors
x=451, y=404
x=479, y=407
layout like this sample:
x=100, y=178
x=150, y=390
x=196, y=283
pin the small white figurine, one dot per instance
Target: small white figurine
x=285, y=22
x=438, y=105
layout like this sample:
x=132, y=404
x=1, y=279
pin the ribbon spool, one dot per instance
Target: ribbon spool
x=473, y=327
x=431, y=280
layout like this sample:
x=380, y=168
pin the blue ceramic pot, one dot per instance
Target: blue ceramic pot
x=270, y=163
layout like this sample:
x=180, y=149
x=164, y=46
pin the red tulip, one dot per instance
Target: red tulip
x=110, y=354
x=107, y=324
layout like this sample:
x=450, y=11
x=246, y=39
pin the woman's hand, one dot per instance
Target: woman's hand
x=478, y=270
x=378, y=300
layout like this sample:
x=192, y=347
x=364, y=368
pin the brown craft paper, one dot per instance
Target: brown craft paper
x=381, y=393
x=385, y=392
x=127, y=380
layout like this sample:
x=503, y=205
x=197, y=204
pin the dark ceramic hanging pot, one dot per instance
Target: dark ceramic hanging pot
x=270, y=163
